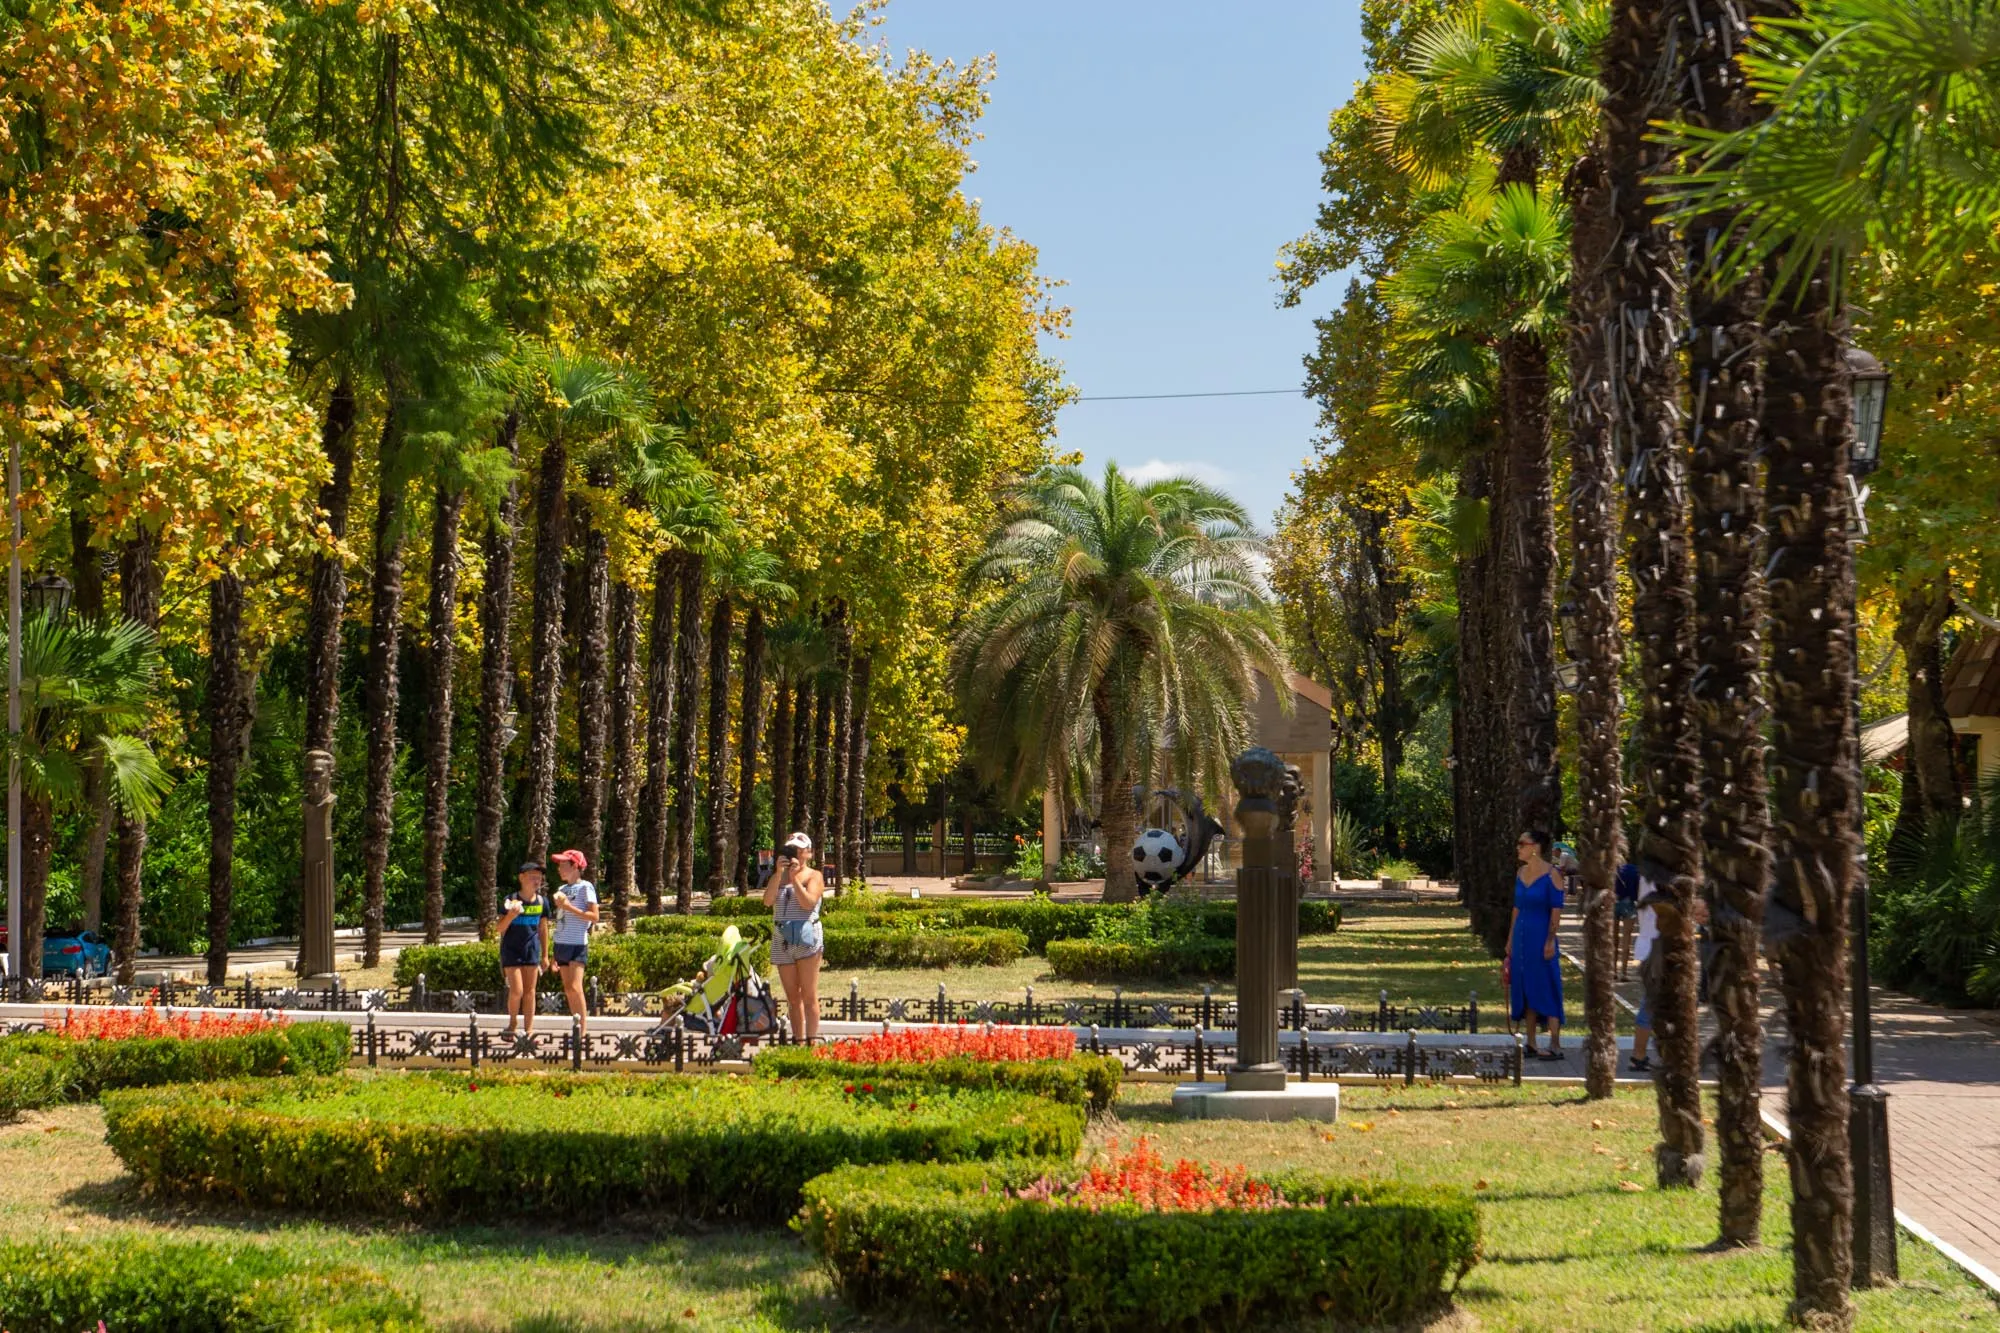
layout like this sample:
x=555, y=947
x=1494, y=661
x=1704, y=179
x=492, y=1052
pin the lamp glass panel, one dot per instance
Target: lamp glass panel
x=1870, y=396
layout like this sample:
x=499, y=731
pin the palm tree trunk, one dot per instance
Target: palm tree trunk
x=139, y=594
x=721, y=630
x=1593, y=596
x=843, y=728
x=592, y=705
x=1528, y=552
x=1645, y=313
x=751, y=725
x=496, y=688
x=385, y=637
x=87, y=601
x=1116, y=817
x=443, y=611
x=329, y=575
x=653, y=798
x=822, y=760
x=1725, y=373
x=803, y=724
x=1815, y=777
x=545, y=644
x=1932, y=796
x=1486, y=754
x=857, y=763
x=687, y=718
x=38, y=843
x=781, y=759
x=229, y=715
x=621, y=836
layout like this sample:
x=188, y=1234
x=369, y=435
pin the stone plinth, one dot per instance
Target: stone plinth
x=1295, y=1101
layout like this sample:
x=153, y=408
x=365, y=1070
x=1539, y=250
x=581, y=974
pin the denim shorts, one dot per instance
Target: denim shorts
x=567, y=954
x=812, y=942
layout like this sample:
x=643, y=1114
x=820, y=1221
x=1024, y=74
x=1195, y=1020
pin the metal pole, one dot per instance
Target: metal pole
x=14, y=970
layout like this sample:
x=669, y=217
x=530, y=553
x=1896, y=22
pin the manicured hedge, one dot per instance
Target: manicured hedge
x=38, y=1069
x=1095, y=960
x=1089, y=1081
x=502, y=1146
x=952, y=1242
x=137, y=1285
x=617, y=962
x=1041, y=919
x=853, y=940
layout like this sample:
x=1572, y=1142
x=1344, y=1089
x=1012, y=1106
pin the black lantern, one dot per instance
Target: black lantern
x=47, y=594
x=1870, y=387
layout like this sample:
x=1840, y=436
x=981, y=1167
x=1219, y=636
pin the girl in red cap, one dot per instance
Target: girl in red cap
x=576, y=913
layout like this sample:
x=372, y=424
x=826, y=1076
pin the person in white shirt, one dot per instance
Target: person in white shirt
x=1642, y=948
x=576, y=913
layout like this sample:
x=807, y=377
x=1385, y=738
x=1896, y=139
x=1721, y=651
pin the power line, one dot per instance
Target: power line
x=1219, y=393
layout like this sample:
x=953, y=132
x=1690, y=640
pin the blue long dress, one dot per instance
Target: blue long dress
x=1537, y=982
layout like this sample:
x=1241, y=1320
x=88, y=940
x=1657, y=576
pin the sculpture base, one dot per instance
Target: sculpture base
x=1256, y=1078
x=1293, y=1101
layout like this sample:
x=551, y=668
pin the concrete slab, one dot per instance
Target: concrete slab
x=1298, y=1101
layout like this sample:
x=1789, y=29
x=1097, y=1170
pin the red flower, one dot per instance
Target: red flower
x=922, y=1045
x=146, y=1021
x=850, y=1089
x=1142, y=1177
x=913, y=1106
x=868, y=1087
x=473, y=1088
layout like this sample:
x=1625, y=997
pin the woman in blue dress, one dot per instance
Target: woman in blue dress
x=1534, y=959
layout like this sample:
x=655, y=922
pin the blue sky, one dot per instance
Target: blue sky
x=1158, y=154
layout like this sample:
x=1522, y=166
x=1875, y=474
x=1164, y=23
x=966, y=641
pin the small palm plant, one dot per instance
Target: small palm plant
x=85, y=690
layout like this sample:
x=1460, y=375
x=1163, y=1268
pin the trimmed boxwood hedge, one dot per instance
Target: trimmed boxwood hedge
x=138, y=1285
x=951, y=1241
x=1041, y=919
x=501, y=1145
x=42, y=1069
x=1096, y=960
x=1090, y=1081
x=617, y=962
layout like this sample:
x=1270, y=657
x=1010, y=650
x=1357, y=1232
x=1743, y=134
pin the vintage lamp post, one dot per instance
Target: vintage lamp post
x=1867, y=1102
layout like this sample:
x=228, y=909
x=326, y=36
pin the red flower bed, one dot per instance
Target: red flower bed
x=116, y=1024
x=923, y=1045
x=1143, y=1177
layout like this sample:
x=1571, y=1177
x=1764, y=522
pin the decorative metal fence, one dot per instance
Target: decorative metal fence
x=1211, y=1012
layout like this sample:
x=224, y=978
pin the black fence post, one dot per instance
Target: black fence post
x=1096, y=1046
x=1118, y=1006
x=420, y=999
x=1028, y=1008
x=680, y=1043
x=371, y=1039
x=1472, y=1015
x=1200, y=1058
x=1207, y=1005
x=472, y=1038
x=1382, y=1011
x=939, y=1011
x=853, y=1014
x=593, y=1001
x=576, y=1042
x=1410, y=1060
x=1517, y=1059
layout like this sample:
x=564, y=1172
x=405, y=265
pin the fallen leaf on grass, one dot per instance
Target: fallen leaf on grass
x=1597, y=1124
x=1631, y=1187
x=1480, y=1185
x=1364, y=1125
x=1600, y=1150
x=1326, y=1136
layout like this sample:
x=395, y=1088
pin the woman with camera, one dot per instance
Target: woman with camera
x=797, y=941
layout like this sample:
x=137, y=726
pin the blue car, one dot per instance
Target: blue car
x=74, y=953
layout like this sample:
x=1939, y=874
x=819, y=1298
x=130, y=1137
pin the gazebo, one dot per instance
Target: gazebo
x=1972, y=700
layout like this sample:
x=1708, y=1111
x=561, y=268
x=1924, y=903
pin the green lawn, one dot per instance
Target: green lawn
x=1567, y=1246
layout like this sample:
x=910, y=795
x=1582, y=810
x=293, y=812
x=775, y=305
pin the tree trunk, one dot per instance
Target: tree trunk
x=328, y=580
x=822, y=761
x=87, y=601
x=38, y=840
x=621, y=836
x=843, y=752
x=139, y=594
x=229, y=716
x=803, y=725
x=1490, y=779
x=450, y=505
x=721, y=630
x=1725, y=371
x=592, y=670
x=1593, y=597
x=653, y=798
x=743, y=873
x=496, y=689
x=378, y=824
x=687, y=719
x=1388, y=594
x=781, y=759
x=1116, y=818
x=545, y=644
x=1932, y=797
x=906, y=828
x=857, y=764
x=1815, y=778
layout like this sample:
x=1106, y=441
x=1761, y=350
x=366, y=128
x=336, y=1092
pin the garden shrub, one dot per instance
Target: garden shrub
x=1043, y=1061
x=1098, y=960
x=43, y=1069
x=500, y=1145
x=618, y=963
x=1040, y=918
x=960, y=1243
x=862, y=940
x=30, y=1081
x=138, y=1285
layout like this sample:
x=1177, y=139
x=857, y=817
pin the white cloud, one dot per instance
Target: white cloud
x=1156, y=469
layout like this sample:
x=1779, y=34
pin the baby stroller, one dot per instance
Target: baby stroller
x=727, y=997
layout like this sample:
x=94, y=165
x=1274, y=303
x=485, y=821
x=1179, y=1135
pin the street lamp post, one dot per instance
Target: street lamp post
x=1867, y=1103
x=14, y=972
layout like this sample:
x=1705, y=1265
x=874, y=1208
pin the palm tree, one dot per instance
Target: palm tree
x=621, y=837
x=751, y=726
x=382, y=674
x=446, y=511
x=840, y=771
x=85, y=691
x=496, y=679
x=231, y=707
x=856, y=833
x=1645, y=318
x=87, y=572
x=328, y=579
x=748, y=574
x=593, y=634
x=1125, y=615
x=139, y=597
x=652, y=852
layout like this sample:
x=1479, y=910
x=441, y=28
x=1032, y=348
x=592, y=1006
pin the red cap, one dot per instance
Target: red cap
x=572, y=855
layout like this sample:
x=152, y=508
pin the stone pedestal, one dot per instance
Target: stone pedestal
x=1259, y=775
x=1289, y=1101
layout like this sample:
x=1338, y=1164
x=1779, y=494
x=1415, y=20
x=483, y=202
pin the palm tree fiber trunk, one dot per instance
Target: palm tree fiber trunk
x=750, y=724
x=593, y=636
x=87, y=573
x=545, y=644
x=687, y=719
x=385, y=638
x=1528, y=555
x=1815, y=777
x=857, y=762
x=653, y=798
x=228, y=738
x=438, y=707
x=329, y=576
x=496, y=689
x=1491, y=782
x=1593, y=605
x=621, y=836
x=1725, y=374
x=1116, y=817
x=721, y=630
x=38, y=844
x=139, y=595
x=822, y=760
x=781, y=759
x=803, y=723
x=843, y=752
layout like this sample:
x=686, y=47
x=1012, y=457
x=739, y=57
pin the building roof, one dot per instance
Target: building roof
x=1972, y=678
x=1309, y=727
x=1881, y=740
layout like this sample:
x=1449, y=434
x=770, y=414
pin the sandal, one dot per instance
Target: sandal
x=1639, y=1065
x=1552, y=1054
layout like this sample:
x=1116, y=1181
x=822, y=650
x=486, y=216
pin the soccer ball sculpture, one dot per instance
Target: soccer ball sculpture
x=1156, y=858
